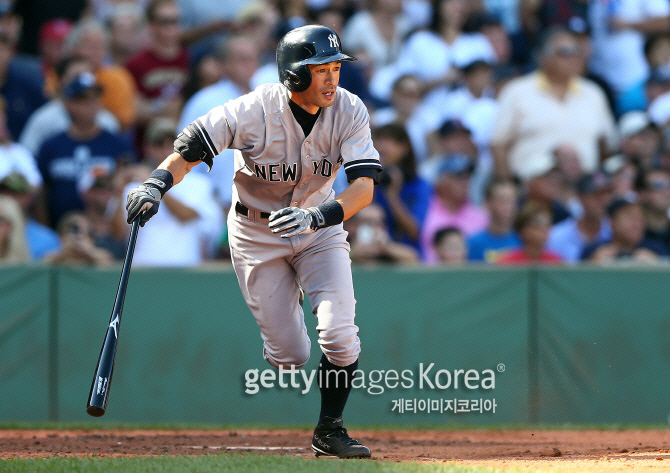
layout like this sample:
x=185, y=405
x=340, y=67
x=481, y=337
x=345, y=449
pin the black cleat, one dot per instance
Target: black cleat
x=330, y=438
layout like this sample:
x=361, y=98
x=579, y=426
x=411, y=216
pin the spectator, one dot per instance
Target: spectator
x=532, y=225
x=451, y=138
x=160, y=70
x=97, y=191
x=89, y=39
x=13, y=245
x=10, y=22
x=544, y=185
x=450, y=246
x=371, y=242
x=14, y=157
x=502, y=199
x=51, y=39
x=569, y=237
x=657, y=89
x=127, y=32
x=550, y=107
x=434, y=55
x=239, y=62
x=403, y=195
x=619, y=30
x=375, y=34
x=640, y=139
x=65, y=158
x=53, y=118
x=41, y=239
x=78, y=243
x=654, y=192
x=21, y=85
x=189, y=221
x=450, y=206
x=405, y=109
x=623, y=176
x=628, y=242
x=476, y=91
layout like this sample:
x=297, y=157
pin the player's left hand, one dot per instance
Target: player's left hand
x=292, y=221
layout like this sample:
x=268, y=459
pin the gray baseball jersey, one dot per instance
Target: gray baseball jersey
x=276, y=166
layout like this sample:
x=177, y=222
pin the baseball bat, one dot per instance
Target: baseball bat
x=97, y=398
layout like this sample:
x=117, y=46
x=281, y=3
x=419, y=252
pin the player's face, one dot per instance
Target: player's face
x=321, y=92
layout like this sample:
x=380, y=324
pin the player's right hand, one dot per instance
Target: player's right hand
x=142, y=200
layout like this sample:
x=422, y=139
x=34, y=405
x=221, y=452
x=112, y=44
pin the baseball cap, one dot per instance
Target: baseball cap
x=159, y=129
x=593, y=183
x=455, y=164
x=15, y=182
x=97, y=177
x=452, y=126
x=81, y=85
x=55, y=30
x=632, y=123
x=474, y=65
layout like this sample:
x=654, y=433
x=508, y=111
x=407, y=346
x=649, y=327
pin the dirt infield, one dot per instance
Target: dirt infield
x=537, y=450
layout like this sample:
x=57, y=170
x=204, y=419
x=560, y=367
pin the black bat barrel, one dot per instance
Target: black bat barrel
x=97, y=397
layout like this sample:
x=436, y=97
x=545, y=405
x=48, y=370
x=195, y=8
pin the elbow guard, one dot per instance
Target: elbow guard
x=194, y=144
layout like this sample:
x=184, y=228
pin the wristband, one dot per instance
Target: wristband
x=327, y=214
x=161, y=179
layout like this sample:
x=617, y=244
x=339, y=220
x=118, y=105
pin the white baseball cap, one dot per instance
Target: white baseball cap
x=632, y=123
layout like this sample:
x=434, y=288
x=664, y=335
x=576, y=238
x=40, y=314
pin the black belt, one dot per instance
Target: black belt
x=242, y=209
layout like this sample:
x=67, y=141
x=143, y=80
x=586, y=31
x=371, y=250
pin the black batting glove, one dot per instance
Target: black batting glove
x=145, y=199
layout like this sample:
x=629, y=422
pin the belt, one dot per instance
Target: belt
x=242, y=209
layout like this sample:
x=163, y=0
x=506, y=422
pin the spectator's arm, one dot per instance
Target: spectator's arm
x=500, y=153
x=649, y=26
x=182, y=212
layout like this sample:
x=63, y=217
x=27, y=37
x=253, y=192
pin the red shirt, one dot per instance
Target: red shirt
x=156, y=77
x=518, y=257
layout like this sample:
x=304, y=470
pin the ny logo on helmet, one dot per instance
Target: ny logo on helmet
x=333, y=41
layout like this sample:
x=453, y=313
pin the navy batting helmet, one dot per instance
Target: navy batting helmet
x=311, y=44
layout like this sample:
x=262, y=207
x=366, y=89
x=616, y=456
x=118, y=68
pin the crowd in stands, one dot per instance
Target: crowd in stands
x=511, y=132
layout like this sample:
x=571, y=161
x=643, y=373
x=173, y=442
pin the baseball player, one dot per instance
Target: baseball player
x=285, y=227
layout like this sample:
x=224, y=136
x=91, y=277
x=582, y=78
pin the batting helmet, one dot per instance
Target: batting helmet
x=311, y=44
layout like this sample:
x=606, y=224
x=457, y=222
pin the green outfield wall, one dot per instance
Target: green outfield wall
x=439, y=346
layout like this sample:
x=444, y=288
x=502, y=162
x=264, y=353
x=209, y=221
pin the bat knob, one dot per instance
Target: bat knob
x=95, y=411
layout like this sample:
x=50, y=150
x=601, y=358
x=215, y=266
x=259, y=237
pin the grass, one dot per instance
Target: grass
x=225, y=463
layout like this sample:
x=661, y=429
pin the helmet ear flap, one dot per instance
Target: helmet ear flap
x=298, y=80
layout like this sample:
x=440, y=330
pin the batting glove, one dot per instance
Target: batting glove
x=293, y=221
x=143, y=200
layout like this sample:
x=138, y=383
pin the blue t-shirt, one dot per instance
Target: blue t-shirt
x=41, y=240
x=415, y=194
x=485, y=246
x=64, y=161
